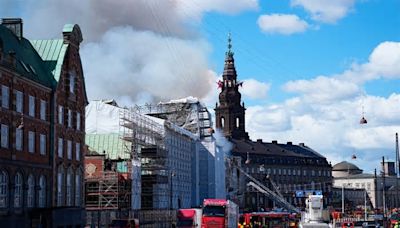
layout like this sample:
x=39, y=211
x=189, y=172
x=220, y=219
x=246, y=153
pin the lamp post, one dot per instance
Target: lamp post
x=171, y=196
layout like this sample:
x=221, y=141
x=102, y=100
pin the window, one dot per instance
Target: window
x=60, y=114
x=31, y=142
x=69, y=118
x=31, y=192
x=42, y=144
x=69, y=187
x=42, y=110
x=237, y=122
x=3, y=189
x=78, y=151
x=60, y=179
x=69, y=149
x=78, y=121
x=72, y=77
x=42, y=191
x=222, y=122
x=77, y=189
x=18, y=139
x=60, y=147
x=19, y=101
x=4, y=136
x=5, y=97
x=31, y=105
x=18, y=190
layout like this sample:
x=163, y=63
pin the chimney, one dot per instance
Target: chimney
x=15, y=25
x=302, y=144
x=259, y=140
x=289, y=143
x=274, y=141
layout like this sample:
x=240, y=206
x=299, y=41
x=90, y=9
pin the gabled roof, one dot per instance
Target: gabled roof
x=110, y=145
x=28, y=62
x=53, y=53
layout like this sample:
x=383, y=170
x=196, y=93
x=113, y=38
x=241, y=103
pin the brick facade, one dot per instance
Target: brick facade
x=30, y=94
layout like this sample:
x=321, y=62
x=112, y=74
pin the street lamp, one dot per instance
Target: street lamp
x=170, y=202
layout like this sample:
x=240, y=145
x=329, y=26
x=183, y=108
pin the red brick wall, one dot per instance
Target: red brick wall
x=98, y=162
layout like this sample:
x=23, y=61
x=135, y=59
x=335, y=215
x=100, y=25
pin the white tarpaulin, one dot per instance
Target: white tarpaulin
x=102, y=118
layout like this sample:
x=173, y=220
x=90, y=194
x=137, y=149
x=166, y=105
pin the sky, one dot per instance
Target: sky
x=311, y=68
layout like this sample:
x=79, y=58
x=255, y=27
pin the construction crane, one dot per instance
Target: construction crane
x=278, y=198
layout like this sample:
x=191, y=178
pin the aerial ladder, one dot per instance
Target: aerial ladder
x=275, y=186
x=276, y=197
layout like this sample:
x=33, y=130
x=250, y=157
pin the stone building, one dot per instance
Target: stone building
x=381, y=189
x=291, y=168
x=42, y=133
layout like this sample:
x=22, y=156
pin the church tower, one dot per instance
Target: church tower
x=229, y=113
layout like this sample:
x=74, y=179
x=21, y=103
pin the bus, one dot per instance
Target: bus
x=219, y=213
x=269, y=219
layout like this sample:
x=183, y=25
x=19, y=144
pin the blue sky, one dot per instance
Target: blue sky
x=310, y=67
x=325, y=49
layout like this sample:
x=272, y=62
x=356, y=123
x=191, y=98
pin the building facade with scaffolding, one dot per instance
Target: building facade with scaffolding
x=208, y=168
x=156, y=154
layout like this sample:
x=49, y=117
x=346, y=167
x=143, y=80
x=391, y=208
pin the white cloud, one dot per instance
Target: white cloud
x=255, y=89
x=328, y=11
x=326, y=112
x=265, y=119
x=384, y=62
x=323, y=89
x=286, y=24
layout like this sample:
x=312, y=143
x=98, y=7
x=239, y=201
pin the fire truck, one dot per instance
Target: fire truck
x=219, y=213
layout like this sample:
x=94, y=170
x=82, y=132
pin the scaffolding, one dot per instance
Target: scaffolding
x=190, y=115
x=110, y=191
x=144, y=138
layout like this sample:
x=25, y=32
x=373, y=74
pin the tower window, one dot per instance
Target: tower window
x=237, y=122
x=222, y=122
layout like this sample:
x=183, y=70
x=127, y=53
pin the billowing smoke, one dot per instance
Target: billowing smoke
x=144, y=67
x=134, y=51
x=95, y=17
x=222, y=142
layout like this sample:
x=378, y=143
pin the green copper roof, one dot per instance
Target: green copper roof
x=28, y=63
x=109, y=144
x=53, y=53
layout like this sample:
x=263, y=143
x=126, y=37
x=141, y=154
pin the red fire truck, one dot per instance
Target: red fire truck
x=270, y=219
x=219, y=213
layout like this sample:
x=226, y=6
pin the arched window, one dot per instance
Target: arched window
x=69, y=187
x=18, y=190
x=42, y=191
x=31, y=192
x=60, y=185
x=78, y=188
x=222, y=122
x=237, y=122
x=3, y=189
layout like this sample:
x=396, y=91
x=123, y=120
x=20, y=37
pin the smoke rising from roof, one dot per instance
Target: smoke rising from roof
x=134, y=51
